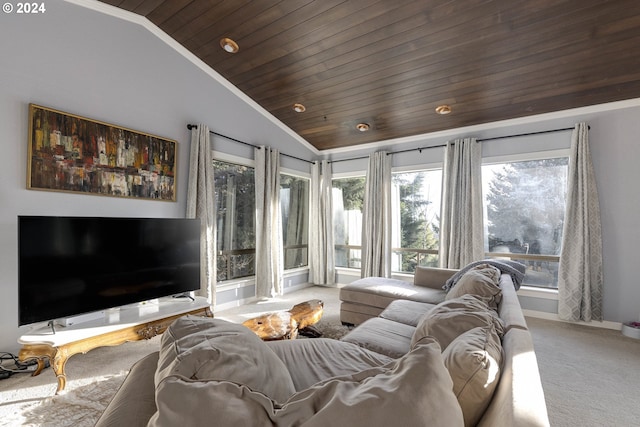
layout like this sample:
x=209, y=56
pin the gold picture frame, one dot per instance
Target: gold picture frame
x=70, y=153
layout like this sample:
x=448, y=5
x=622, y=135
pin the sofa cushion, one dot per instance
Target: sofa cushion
x=202, y=348
x=414, y=390
x=312, y=361
x=382, y=336
x=366, y=310
x=407, y=312
x=134, y=402
x=453, y=317
x=381, y=291
x=474, y=360
x=481, y=281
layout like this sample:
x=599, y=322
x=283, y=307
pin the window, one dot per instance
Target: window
x=235, y=207
x=415, y=219
x=294, y=208
x=525, y=205
x=348, y=198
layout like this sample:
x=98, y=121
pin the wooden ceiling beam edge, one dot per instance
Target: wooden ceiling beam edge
x=489, y=126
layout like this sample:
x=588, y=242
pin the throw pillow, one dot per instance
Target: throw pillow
x=451, y=318
x=474, y=360
x=481, y=281
x=413, y=390
x=201, y=348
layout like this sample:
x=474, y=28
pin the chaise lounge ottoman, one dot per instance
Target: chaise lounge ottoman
x=368, y=297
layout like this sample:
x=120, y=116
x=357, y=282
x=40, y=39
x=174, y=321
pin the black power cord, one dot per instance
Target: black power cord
x=18, y=366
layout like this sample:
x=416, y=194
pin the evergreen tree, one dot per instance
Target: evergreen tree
x=235, y=204
x=526, y=202
x=416, y=228
x=352, y=192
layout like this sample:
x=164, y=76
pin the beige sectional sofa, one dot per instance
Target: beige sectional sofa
x=390, y=370
x=518, y=398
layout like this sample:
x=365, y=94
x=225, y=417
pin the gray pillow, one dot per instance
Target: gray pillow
x=474, y=360
x=482, y=282
x=451, y=318
x=415, y=390
x=201, y=348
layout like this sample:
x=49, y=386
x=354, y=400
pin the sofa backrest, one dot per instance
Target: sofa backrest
x=432, y=277
x=509, y=308
x=519, y=397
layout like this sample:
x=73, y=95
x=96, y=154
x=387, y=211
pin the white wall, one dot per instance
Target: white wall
x=84, y=62
x=615, y=147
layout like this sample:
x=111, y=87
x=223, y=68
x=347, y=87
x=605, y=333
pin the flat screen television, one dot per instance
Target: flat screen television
x=69, y=266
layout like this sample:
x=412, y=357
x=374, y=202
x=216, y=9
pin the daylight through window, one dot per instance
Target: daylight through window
x=415, y=219
x=525, y=206
x=235, y=207
x=348, y=198
x=294, y=208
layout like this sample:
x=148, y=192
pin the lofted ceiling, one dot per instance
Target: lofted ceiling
x=390, y=63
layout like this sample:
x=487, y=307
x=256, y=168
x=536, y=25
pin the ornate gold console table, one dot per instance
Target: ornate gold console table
x=131, y=323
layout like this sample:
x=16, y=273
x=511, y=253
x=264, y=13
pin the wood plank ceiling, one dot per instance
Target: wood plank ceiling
x=390, y=63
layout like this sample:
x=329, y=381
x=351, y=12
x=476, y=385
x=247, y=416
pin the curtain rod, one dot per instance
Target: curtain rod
x=444, y=145
x=527, y=134
x=249, y=144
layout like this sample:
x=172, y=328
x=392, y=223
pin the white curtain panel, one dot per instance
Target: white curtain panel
x=269, y=259
x=580, y=273
x=376, y=217
x=327, y=213
x=461, y=228
x=316, y=243
x=201, y=204
x=322, y=269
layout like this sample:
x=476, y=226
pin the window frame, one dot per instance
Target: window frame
x=243, y=161
x=307, y=177
x=346, y=175
x=240, y=161
x=429, y=167
x=525, y=157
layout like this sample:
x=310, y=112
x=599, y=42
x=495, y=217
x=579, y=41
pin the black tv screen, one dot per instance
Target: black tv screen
x=75, y=265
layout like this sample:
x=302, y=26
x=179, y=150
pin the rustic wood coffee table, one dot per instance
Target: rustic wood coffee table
x=285, y=325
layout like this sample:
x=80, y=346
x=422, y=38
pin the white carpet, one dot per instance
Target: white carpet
x=25, y=400
x=80, y=407
x=590, y=375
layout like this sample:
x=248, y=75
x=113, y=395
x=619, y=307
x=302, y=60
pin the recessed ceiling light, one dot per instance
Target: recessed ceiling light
x=229, y=45
x=443, y=109
x=299, y=108
x=362, y=127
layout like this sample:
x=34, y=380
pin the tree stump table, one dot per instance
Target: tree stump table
x=286, y=325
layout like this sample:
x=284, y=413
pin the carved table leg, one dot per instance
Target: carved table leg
x=58, y=365
x=41, y=365
x=57, y=358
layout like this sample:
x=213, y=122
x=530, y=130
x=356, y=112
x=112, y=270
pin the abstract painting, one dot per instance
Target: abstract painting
x=75, y=154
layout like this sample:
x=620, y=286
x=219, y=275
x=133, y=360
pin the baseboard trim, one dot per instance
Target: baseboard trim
x=239, y=302
x=297, y=287
x=233, y=304
x=554, y=316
